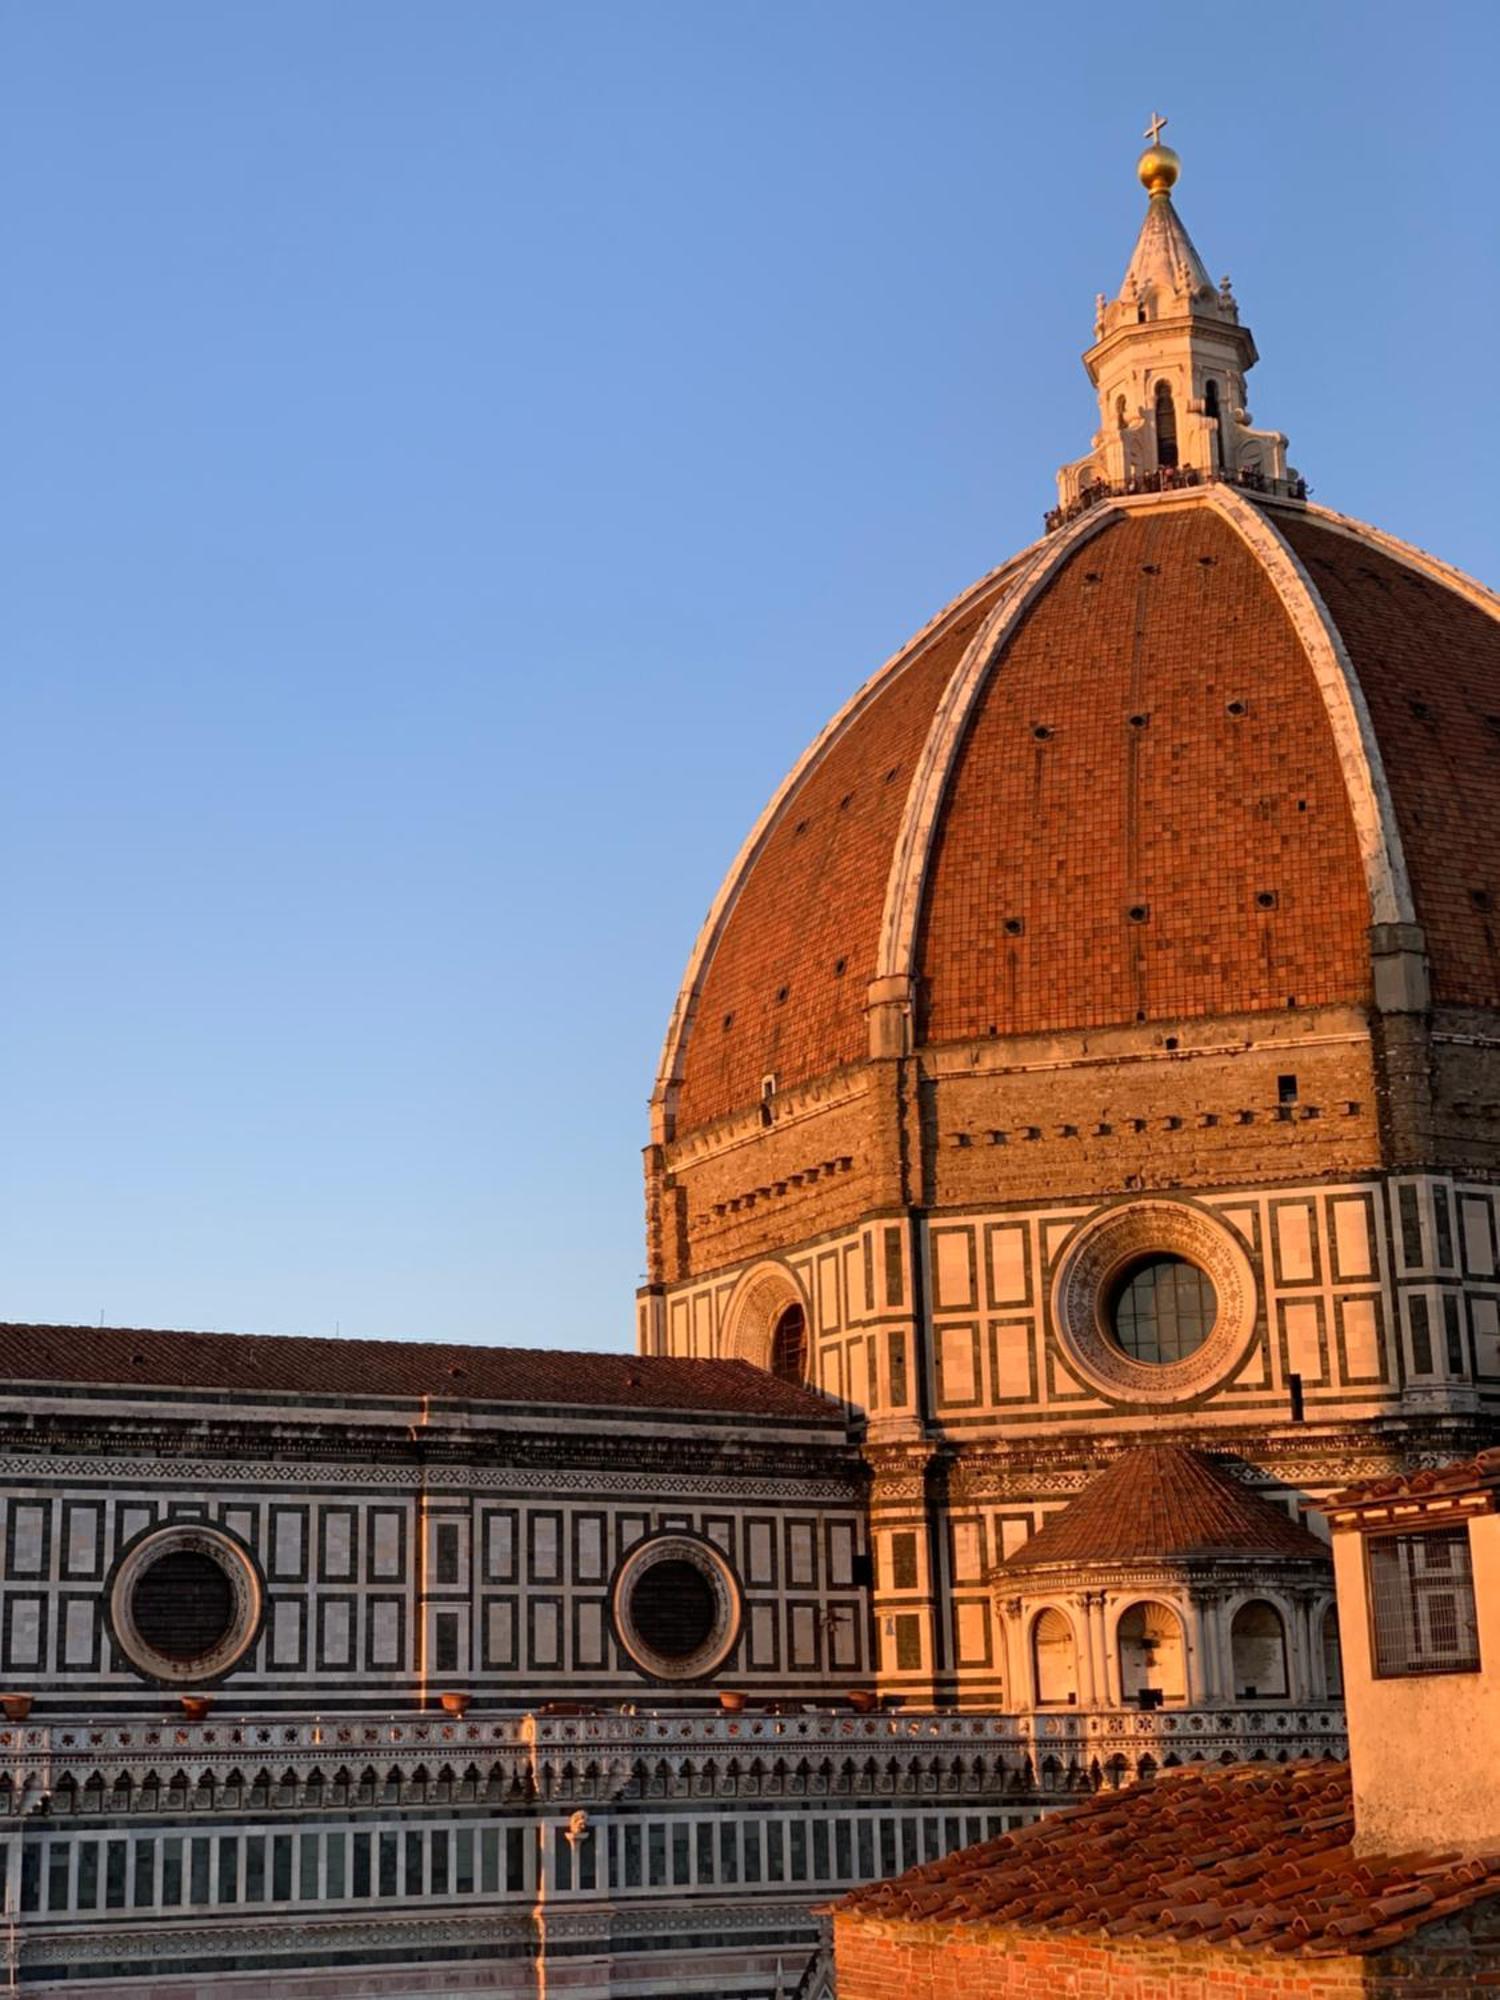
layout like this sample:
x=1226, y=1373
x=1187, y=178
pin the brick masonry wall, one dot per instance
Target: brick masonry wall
x=879, y=1961
x=819, y=1159
x=1039, y=1117
x=1148, y=819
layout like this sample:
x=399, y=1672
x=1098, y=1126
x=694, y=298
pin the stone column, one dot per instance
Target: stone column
x=1109, y=1655
x=1303, y=1669
x=1107, y=1677
x=1020, y=1691
x=1083, y=1641
x=1213, y=1681
x=1197, y=1625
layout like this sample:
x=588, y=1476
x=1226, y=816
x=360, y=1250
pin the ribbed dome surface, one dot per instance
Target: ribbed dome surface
x=785, y=991
x=1429, y=664
x=1188, y=770
x=1162, y=1502
x=1196, y=744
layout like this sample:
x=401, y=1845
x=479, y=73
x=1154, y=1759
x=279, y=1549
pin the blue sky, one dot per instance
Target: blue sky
x=456, y=454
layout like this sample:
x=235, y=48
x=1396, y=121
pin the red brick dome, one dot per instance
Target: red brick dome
x=1174, y=761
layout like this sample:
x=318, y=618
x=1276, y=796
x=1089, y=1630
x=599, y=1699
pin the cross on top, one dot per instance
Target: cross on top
x=1154, y=129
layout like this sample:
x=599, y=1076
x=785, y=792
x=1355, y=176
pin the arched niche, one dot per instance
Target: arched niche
x=1054, y=1659
x=789, y=1352
x=1152, y=1654
x=1165, y=411
x=1257, y=1652
x=760, y=1305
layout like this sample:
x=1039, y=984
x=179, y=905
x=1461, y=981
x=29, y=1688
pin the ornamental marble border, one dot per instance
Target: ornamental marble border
x=223, y=1474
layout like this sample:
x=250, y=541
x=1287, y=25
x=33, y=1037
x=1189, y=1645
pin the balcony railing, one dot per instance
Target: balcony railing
x=1171, y=479
x=293, y=1762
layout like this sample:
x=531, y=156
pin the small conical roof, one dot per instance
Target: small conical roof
x=1164, y=259
x=1162, y=1502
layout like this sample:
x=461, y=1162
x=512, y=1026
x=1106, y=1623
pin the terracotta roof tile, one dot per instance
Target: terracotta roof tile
x=1164, y=1501
x=1466, y=1475
x=1132, y=1865
x=296, y=1365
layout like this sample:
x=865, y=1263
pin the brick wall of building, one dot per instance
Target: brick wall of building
x=907, y=1961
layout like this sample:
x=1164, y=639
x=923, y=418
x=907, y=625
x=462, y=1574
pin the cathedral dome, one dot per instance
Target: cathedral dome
x=1205, y=749
x=1188, y=756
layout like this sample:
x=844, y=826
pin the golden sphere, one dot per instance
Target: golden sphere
x=1158, y=168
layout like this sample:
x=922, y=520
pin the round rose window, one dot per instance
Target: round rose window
x=1163, y=1309
x=185, y=1603
x=676, y=1605
x=1154, y=1301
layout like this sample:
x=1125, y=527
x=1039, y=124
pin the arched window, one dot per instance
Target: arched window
x=1257, y=1647
x=1166, y=426
x=789, y=1346
x=1333, y=1655
x=1149, y=1638
x=1054, y=1659
x=1215, y=435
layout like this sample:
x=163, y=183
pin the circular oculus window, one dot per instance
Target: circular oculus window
x=676, y=1605
x=1154, y=1301
x=185, y=1602
x=1162, y=1309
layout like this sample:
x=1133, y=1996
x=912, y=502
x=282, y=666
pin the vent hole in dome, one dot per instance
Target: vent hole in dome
x=800, y=827
x=1480, y=898
x=1139, y=721
x=1234, y=708
x=1423, y=711
x=1041, y=732
x=840, y=965
x=781, y=993
x=1208, y=562
x=1150, y=569
x=1138, y=912
x=846, y=801
x=1266, y=899
x=728, y=1022
x=1013, y=926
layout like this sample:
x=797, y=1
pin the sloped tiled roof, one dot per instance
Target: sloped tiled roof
x=1464, y=1475
x=1164, y=1501
x=1255, y=1856
x=355, y=1369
